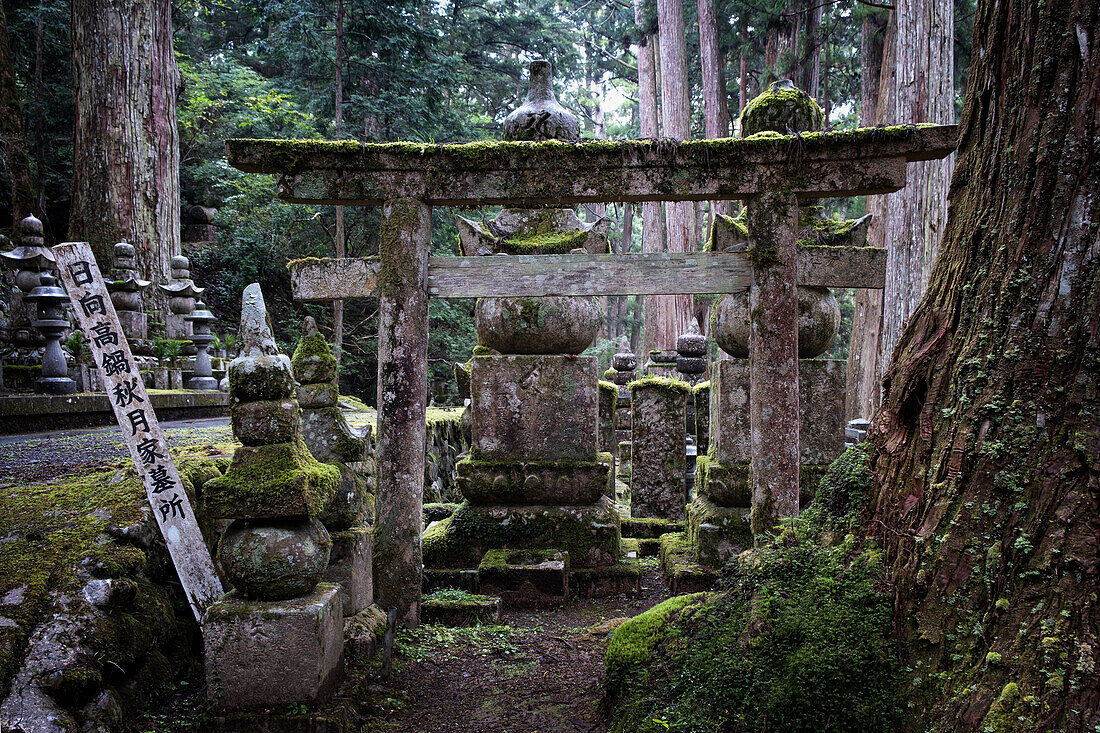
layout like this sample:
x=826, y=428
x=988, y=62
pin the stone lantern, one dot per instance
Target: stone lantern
x=201, y=318
x=30, y=258
x=50, y=300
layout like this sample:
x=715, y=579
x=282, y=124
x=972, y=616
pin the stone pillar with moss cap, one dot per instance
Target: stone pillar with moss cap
x=658, y=414
x=279, y=618
x=331, y=440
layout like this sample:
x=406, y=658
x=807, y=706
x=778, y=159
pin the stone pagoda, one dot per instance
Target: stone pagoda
x=277, y=638
x=181, y=292
x=29, y=259
x=719, y=519
x=537, y=490
x=331, y=440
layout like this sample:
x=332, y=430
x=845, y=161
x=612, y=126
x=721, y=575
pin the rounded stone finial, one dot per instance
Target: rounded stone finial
x=31, y=232
x=624, y=360
x=818, y=322
x=124, y=250
x=541, y=117
x=179, y=262
x=691, y=342
x=549, y=325
x=782, y=108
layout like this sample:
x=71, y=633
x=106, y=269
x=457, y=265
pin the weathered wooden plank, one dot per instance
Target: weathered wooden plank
x=639, y=274
x=815, y=165
x=772, y=218
x=842, y=267
x=134, y=410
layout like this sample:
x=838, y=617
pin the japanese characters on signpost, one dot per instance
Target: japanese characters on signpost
x=134, y=412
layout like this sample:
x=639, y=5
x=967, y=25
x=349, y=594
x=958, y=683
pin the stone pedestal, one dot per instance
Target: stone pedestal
x=349, y=566
x=525, y=578
x=658, y=461
x=260, y=654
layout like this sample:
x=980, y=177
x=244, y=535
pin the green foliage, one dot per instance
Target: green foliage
x=168, y=350
x=796, y=639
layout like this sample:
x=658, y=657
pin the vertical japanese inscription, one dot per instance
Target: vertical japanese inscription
x=134, y=412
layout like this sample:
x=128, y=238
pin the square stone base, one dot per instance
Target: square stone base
x=269, y=654
x=470, y=611
x=525, y=578
x=350, y=567
x=624, y=576
x=682, y=573
x=564, y=483
x=716, y=533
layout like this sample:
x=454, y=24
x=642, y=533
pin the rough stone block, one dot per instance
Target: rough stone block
x=578, y=483
x=590, y=534
x=821, y=389
x=683, y=574
x=466, y=610
x=134, y=324
x=265, y=422
x=717, y=533
x=700, y=395
x=729, y=411
x=657, y=452
x=726, y=484
x=529, y=407
x=330, y=438
x=324, y=394
x=605, y=440
x=624, y=576
x=349, y=567
x=271, y=654
x=525, y=578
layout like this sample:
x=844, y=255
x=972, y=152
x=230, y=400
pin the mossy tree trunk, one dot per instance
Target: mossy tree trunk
x=987, y=496
x=125, y=144
x=653, y=232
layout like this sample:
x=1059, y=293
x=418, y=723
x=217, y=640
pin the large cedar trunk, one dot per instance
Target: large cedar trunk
x=987, y=467
x=13, y=140
x=673, y=311
x=125, y=144
x=653, y=236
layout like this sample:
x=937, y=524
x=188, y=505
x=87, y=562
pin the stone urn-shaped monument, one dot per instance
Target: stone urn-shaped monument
x=536, y=488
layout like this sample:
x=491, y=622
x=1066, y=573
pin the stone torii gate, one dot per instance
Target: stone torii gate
x=770, y=173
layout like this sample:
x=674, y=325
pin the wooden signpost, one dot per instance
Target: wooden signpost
x=134, y=412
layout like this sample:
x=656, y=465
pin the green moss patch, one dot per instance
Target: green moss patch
x=650, y=382
x=796, y=638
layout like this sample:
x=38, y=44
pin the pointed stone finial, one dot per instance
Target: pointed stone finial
x=624, y=360
x=31, y=232
x=309, y=327
x=255, y=335
x=541, y=117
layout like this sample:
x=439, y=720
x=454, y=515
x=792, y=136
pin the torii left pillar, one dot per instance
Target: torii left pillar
x=402, y=405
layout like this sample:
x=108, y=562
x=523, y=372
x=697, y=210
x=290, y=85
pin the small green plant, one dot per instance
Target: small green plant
x=230, y=343
x=216, y=344
x=297, y=708
x=76, y=345
x=168, y=351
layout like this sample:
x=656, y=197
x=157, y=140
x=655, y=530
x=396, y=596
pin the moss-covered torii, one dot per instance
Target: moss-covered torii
x=772, y=173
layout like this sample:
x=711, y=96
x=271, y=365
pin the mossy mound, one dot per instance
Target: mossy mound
x=59, y=535
x=781, y=108
x=313, y=360
x=796, y=639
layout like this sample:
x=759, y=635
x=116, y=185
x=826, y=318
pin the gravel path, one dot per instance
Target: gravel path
x=44, y=457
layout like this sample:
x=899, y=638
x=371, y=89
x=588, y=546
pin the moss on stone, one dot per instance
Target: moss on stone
x=781, y=107
x=548, y=243
x=272, y=481
x=637, y=638
x=313, y=360
x=651, y=382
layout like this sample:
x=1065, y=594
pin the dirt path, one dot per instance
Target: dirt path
x=540, y=672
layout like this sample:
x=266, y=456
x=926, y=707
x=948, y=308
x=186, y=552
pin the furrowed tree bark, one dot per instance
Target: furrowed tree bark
x=125, y=144
x=715, y=111
x=862, y=383
x=653, y=234
x=13, y=139
x=673, y=311
x=987, y=447
x=921, y=90
x=341, y=237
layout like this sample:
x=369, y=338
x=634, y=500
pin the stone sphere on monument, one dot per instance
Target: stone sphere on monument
x=818, y=322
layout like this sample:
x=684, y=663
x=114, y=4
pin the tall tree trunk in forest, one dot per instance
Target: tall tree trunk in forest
x=653, y=235
x=862, y=384
x=673, y=311
x=921, y=89
x=987, y=460
x=125, y=144
x=810, y=49
x=341, y=237
x=716, y=113
x=13, y=139
x=743, y=74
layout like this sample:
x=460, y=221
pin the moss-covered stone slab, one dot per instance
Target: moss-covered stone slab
x=658, y=462
x=589, y=534
x=678, y=565
x=624, y=577
x=576, y=483
x=649, y=527
x=716, y=533
x=435, y=511
x=271, y=482
x=726, y=484
x=525, y=578
x=534, y=408
x=609, y=399
x=459, y=608
x=456, y=578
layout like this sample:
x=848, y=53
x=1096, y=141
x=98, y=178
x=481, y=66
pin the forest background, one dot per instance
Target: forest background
x=437, y=72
